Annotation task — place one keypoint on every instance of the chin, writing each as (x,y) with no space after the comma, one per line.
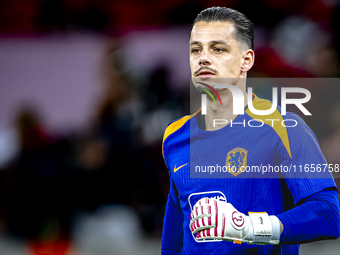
(227,80)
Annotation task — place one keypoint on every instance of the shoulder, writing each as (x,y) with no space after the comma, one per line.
(288,128)
(299,132)
(175,126)
(296,120)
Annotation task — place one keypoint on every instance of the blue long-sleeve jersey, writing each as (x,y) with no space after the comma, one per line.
(274,168)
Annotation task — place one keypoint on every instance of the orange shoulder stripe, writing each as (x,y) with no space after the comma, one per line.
(173,127)
(262,104)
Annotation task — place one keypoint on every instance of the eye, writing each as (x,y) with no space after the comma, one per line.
(216,49)
(195,50)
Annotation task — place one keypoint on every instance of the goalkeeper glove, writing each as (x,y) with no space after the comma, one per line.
(215,219)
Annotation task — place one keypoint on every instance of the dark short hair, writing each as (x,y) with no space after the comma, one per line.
(244,27)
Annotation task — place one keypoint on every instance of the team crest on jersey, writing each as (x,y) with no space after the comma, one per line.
(236,161)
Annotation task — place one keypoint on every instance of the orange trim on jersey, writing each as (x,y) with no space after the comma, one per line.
(173,127)
(262,104)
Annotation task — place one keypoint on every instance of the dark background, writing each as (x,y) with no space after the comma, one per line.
(87,89)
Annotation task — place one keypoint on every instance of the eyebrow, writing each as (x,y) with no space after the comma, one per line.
(211,43)
(195,42)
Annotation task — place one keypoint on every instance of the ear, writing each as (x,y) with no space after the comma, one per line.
(248,58)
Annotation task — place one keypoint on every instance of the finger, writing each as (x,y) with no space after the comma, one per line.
(197,225)
(200,212)
(202,202)
(206,234)
(210,230)
(195,210)
(202,223)
(202,208)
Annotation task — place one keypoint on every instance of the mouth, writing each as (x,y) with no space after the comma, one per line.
(205,74)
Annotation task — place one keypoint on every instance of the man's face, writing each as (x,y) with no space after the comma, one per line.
(214,53)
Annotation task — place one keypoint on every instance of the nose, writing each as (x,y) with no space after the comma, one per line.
(205,59)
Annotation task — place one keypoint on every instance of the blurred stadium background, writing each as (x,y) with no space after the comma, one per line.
(87,88)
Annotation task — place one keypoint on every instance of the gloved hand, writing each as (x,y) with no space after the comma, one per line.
(215,219)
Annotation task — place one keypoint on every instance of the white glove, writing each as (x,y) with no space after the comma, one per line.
(215,219)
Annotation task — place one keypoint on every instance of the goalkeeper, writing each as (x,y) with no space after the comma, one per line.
(241,214)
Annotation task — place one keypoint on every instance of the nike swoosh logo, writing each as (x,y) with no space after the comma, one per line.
(176,169)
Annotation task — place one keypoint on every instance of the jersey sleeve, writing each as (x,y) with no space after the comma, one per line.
(172,235)
(317,218)
(309,172)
